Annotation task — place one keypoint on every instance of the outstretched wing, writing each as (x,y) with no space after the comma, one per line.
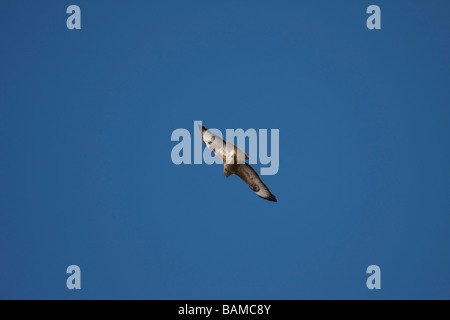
(251,178)
(228,152)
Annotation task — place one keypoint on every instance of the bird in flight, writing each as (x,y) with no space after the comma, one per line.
(234,163)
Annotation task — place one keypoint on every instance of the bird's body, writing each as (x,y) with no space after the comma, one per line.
(234,163)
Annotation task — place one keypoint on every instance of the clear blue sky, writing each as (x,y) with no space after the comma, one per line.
(86,176)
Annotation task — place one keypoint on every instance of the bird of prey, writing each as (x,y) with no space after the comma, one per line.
(234,163)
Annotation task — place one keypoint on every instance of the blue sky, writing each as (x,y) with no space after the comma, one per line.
(86,176)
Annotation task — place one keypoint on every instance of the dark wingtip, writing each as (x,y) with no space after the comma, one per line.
(272,198)
(201,128)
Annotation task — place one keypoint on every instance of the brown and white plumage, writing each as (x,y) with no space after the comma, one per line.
(228,152)
(234,163)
